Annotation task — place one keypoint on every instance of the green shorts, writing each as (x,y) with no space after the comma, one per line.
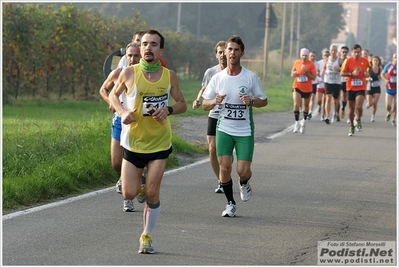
(226,143)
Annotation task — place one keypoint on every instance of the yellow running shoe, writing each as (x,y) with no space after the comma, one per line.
(145,244)
(141,196)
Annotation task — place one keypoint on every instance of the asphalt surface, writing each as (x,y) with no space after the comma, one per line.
(317,186)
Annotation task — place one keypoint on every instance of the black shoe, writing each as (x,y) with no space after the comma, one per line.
(327,121)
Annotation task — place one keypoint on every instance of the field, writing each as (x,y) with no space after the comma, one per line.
(54,149)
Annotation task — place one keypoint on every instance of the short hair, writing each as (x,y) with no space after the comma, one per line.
(356,46)
(155,32)
(236,39)
(345,47)
(220,44)
(134,44)
(313,52)
(140,32)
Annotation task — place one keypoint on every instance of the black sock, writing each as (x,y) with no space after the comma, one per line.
(305,115)
(296,113)
(228,191)
(343,105)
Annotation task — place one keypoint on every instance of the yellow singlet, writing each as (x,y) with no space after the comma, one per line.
(147,135)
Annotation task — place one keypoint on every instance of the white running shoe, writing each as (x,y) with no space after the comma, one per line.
(372,118)
(219,190)
(128,205)
(334,118)
(245,191)
(118,186)
(303,127)
(230,210)
(296,127)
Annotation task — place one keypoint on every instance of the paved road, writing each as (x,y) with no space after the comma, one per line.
(322,185)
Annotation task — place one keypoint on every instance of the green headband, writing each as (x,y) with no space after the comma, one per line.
(150,68)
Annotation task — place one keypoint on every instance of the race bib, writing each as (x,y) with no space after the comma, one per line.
(235,111)
(375,83)
(302,78)
(392,79)
(154,101)
(357,82)
(333,76)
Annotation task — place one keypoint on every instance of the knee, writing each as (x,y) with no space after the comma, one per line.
(212,151)
(244,171)
(151,195)
(225,169)
(128,194)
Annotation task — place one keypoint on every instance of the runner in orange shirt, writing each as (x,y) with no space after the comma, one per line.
(303,71)
(356,69)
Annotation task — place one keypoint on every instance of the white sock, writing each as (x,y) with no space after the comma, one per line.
(150,217)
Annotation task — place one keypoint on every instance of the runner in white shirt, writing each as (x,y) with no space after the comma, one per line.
(332,81)
(131,57)
(214,113)
(320,89)
(236,90)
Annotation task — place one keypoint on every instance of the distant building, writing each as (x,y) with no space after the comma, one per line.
(358,17)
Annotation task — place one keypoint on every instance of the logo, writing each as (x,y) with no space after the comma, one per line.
(155,98)
(344,253)
(243,90)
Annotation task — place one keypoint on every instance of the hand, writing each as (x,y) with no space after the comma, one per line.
(127,117)
(219,99)
(160,114)
(245,99)
(196,104)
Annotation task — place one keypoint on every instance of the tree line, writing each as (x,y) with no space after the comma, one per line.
(60,50)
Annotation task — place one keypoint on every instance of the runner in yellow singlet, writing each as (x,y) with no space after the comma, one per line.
(146,138)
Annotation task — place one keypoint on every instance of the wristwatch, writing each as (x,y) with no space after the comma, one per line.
(251,103)
(170,109)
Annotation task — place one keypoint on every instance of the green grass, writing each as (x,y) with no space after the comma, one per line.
(54,149)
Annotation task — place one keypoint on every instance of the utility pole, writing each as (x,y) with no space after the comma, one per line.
(199,20)
(292,29)
(282,41)
(178,17)
(266,45)
(298,27)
